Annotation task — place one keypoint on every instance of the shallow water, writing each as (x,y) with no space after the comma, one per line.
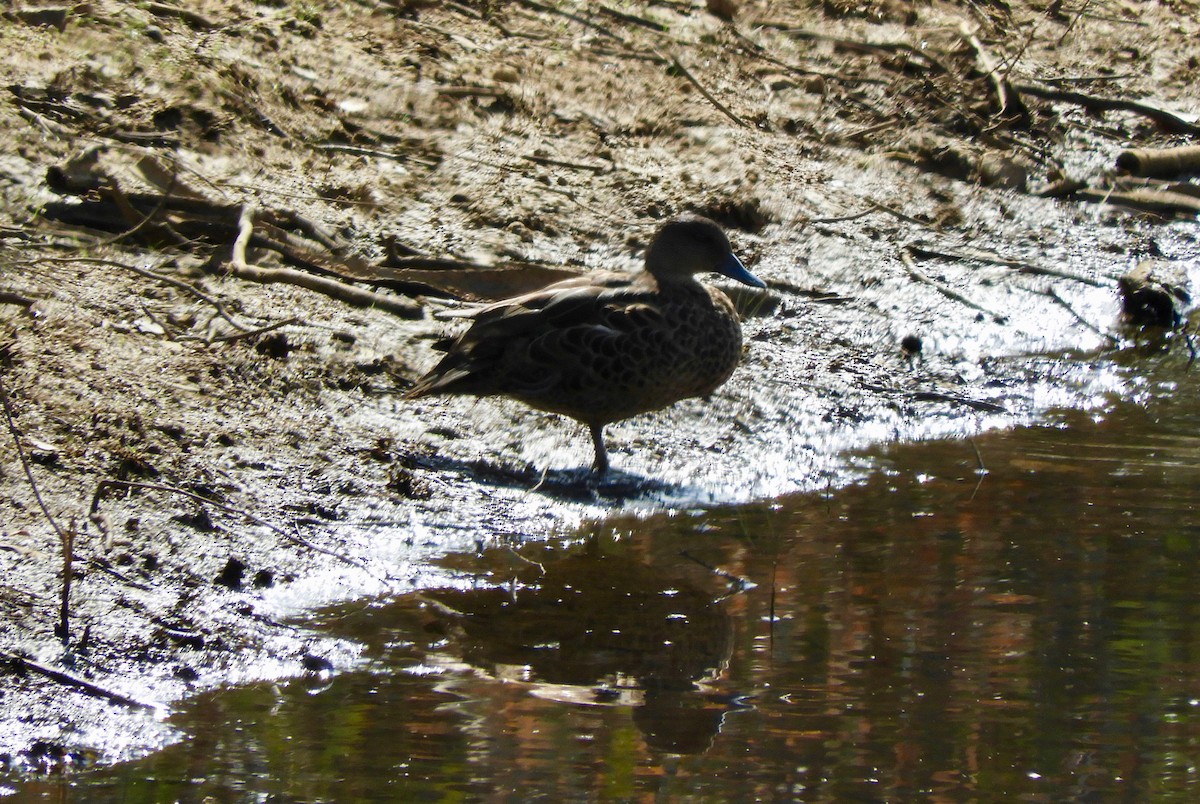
(1029,629)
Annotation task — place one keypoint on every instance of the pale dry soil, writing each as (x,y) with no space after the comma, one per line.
(267,464)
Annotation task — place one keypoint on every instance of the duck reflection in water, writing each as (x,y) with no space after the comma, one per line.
(607,346)
(604,630)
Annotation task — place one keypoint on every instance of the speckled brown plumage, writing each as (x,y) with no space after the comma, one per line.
(609,346)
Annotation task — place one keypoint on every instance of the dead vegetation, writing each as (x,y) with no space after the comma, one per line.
(372,160)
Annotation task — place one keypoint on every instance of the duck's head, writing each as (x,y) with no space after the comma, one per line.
(691,244)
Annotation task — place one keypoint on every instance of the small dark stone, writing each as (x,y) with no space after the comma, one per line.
(263,579)
(199,519)
(722,9)
(185,673)
(316,664)
(231,575)
(44,457)
(274,345)
(911,345)
(185,639)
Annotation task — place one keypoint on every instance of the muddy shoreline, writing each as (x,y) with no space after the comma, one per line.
(264,464)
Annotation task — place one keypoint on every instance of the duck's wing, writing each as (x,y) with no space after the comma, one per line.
(524,345)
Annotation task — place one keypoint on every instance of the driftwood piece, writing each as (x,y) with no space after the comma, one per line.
(1163,163)
(1167,120)
(1156,201)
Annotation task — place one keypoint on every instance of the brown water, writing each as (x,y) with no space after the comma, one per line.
(1031,632)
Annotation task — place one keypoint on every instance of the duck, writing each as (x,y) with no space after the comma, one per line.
(607,346)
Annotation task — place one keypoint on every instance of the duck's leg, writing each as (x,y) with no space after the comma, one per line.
(601,463)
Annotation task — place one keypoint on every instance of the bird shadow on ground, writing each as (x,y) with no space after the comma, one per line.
(573,485)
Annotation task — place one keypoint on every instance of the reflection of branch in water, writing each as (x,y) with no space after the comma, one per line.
(738,583)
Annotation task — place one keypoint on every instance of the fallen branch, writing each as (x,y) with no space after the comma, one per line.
(1160,162)
(1052,294)
(915,56)
(1009,102)
(190,17)
(1167,120)
(72,680)
(920,250)
(947,291)
(358,297)
(1156,201)
(722,108)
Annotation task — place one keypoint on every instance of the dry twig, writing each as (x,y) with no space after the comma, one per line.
(166,280)
(722,108)
(947,291)
(1052,294)
(66,538)
(239,266)
(103,485)
(1009,103)
(72,680)
(920,250)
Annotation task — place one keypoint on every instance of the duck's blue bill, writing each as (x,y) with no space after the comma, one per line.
(732,267)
